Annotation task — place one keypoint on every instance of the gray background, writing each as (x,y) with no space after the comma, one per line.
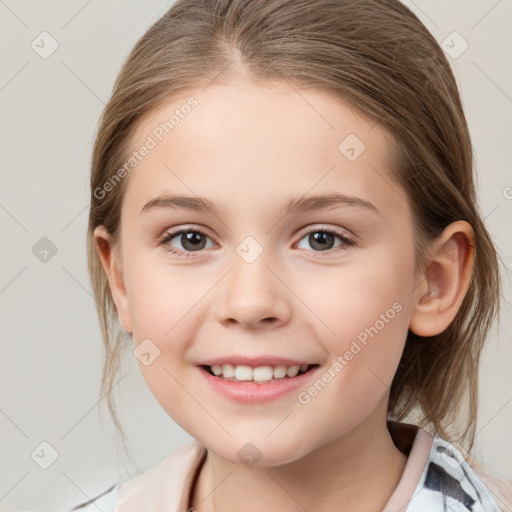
(51,345)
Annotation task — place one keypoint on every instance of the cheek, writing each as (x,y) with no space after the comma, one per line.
(366,317)
(349,300)
(162,297)
(357,311)
(369,319)
(164,302)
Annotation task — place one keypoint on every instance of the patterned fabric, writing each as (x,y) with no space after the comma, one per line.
(436,478)
(449,484)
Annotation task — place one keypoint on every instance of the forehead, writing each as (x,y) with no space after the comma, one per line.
(259,145)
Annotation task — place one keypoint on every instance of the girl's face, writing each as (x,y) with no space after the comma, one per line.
(255,269)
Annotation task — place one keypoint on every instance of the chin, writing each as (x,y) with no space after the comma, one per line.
(259,452)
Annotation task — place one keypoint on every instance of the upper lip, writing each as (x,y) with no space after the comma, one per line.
(254,361)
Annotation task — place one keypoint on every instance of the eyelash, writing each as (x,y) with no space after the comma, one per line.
(347,241)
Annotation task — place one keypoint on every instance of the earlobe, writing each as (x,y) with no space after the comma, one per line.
(448,274)
(112,265)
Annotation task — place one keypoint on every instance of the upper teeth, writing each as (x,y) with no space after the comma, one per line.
(259,373)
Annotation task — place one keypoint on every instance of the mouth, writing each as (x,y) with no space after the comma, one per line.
(259,375)
(246,384)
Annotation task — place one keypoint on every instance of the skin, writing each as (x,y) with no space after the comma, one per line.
(248,148)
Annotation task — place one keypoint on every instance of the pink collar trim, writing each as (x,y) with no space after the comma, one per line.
(414,467)
(167,486)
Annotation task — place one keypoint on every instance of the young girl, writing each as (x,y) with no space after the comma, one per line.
(283,219)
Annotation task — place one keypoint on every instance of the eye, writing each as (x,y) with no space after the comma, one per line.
(183,242)
(323,240)
(190,240)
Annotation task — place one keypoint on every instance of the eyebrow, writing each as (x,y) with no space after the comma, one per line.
(296,204)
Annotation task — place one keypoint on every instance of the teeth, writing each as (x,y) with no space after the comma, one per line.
(228,370)
(258,374)
(280,371)
(216,369)
(262,373)
(243,373)
(292,370)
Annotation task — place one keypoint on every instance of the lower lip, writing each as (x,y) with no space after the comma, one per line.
(250,392)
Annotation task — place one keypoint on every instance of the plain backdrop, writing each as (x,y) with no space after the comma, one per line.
(51,352)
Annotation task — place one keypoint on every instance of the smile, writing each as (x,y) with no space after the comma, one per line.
(257,383)
(258,374)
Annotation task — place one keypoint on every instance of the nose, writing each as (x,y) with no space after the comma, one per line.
(254,296)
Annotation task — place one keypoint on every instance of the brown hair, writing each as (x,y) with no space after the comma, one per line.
(379,57)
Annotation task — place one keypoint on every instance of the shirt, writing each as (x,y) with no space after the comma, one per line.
(436,478)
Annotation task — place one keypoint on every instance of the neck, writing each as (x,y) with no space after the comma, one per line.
(336,476)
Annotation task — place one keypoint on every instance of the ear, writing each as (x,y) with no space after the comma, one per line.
(112,265)
(448,274)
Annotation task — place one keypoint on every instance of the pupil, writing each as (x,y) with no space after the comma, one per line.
(192,238)
(321,240)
